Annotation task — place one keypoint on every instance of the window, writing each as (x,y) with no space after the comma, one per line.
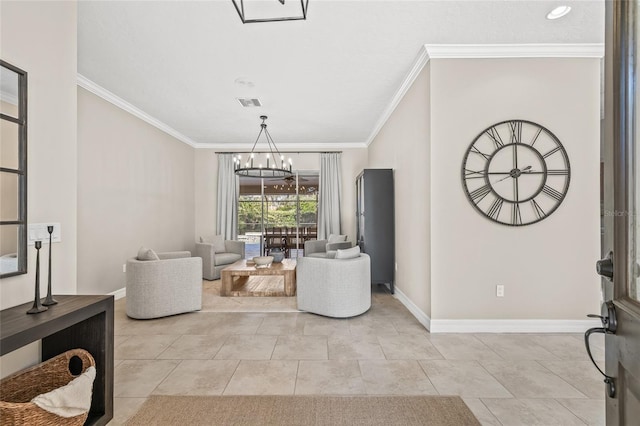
(276,212)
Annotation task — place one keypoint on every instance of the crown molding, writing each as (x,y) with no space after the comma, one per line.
(288,147)
(100,91)
(427,52)
(418,65)
(103,93)
(477,51)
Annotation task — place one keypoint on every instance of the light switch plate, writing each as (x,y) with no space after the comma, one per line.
(38,232)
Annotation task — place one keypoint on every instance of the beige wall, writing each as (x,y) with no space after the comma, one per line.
(546,268)
(135,188)
(403,144)
(51,134)
(206,191)
(206,184)
(40,38)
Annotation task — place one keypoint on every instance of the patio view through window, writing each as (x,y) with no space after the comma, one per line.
(272,214)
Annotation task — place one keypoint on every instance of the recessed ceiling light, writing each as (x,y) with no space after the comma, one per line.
(559,12)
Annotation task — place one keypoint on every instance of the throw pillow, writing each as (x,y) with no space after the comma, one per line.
(217,241)
(336,238)
(351,253)
(147,254)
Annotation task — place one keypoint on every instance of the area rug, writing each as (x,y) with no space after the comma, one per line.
(304,410)
(213,302)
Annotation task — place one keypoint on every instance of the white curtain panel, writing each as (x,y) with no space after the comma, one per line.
(329,196)
(228,192)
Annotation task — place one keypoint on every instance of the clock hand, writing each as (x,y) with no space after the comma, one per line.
(525,170)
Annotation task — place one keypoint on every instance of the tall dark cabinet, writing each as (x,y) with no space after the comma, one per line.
(376,223)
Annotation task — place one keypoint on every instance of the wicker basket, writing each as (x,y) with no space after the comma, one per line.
(16,391)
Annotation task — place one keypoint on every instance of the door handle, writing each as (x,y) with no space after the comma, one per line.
(604,267)
(609,326)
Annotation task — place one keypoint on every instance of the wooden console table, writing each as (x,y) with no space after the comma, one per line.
(75,322)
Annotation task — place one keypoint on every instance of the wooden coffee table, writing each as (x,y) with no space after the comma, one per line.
(244,279)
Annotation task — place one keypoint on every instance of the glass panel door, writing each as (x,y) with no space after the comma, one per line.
(278,213)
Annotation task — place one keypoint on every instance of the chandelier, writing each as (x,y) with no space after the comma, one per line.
(274,165)
(252,11)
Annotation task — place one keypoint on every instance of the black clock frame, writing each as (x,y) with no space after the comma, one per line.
(557,195)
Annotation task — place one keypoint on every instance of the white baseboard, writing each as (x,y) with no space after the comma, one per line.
(417,312)
(119,294)
(495,325)
(512,326)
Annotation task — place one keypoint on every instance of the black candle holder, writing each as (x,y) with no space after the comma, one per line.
(37,307)
(49,300)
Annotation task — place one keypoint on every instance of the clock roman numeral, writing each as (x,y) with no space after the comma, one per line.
(552,193)
(553,151)
(494,210)
(537,209)
(516,216)
(535,138)
(516,131)
(477,151)
(472,174)
(478,194)
(561,172)
(495,137)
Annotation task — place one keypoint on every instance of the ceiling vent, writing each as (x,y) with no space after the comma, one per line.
(249,102)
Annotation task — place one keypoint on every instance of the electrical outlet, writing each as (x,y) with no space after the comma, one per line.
(124,267)
(39,232)
(499,291)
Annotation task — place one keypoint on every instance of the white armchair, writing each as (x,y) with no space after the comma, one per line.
(159,288)
(323,248)
(213,262)
(338,288)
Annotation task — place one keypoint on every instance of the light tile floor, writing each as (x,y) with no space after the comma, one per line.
(506,379)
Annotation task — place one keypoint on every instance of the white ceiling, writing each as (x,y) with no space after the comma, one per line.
(326,80)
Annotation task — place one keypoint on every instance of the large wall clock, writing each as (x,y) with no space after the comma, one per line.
(516,173)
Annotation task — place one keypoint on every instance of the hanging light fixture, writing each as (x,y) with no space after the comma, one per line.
(274,164)
(252,11)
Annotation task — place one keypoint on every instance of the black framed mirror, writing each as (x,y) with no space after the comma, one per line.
(13,170)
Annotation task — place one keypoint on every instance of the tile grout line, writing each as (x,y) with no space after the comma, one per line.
(573,387)
(295,382)
(429,378)
(227,336)
(165,377)
(235,370)
(489,410)
(496,379)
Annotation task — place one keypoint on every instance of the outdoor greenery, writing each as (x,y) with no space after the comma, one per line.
(280,210)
